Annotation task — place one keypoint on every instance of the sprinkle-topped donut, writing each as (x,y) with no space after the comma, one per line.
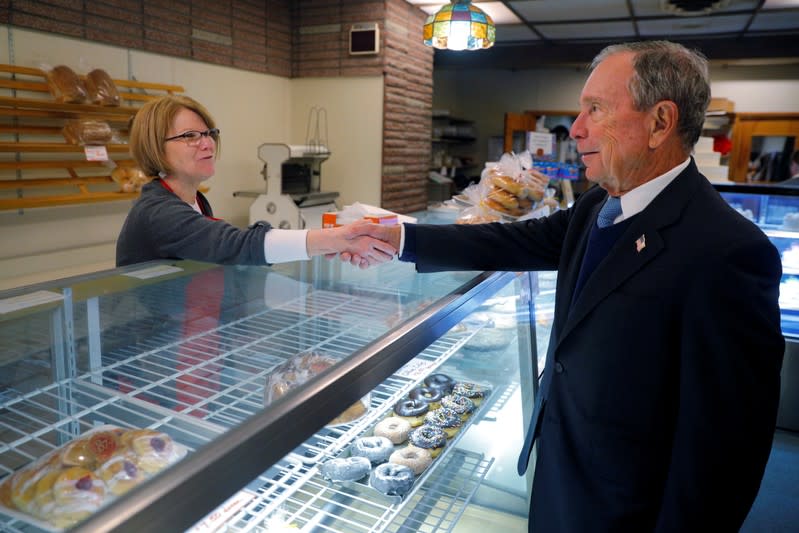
(460,404)
(431,395)
(430,438)
(440,381)
(376,449)
(412,410)
(473,391)
(447,419)
(392,479)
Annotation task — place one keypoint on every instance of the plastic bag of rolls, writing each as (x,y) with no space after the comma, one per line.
(101,88)
(65,85)
(87,132)
(510,189)
(300,368)
(70,483)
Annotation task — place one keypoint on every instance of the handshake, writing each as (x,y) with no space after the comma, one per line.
(361,243)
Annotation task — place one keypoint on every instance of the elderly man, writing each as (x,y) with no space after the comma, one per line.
(658,402)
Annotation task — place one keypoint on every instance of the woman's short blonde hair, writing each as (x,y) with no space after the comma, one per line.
(150,126)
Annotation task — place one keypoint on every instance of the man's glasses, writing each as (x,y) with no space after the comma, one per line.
(192,138)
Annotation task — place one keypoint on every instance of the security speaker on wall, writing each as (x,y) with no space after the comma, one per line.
(364,39)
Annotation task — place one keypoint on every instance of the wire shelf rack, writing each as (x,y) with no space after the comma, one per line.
(196,386)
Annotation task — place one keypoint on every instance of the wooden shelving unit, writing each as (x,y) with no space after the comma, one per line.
(38,167)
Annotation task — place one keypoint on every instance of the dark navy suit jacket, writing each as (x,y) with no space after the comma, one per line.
(659,397)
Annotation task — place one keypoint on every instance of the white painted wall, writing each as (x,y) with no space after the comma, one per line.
(250,109)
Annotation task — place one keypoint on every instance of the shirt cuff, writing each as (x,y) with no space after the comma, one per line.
(407,251)
(283,245)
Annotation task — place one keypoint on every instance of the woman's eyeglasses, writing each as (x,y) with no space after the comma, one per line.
(192,138)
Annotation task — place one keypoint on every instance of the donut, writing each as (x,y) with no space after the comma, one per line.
(427,394)
(376,449)
(411,410)
(430,438)
(121,472)
(392,479)
(346,468)
(473,391)
(155,450)
(440,381)
(394,428)
(446,419)
(417,459)
(460,404)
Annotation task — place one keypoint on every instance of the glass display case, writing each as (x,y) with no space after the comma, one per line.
(775,209)
(192,352)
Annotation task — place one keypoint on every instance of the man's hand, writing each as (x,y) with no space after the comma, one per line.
(361,243)
(389,234)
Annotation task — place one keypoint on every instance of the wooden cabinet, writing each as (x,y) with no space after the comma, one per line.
(38,167)
(521,123)
(748,127)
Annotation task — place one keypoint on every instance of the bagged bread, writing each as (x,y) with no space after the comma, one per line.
(87,132)
(65,85)
(101,89)
(300,368)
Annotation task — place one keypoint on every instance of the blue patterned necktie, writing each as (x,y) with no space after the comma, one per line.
(609,212)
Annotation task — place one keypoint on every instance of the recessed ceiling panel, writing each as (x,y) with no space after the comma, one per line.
(775,21)
(588,30)
(680,26)
(654,8)
(565,10)
(515,32)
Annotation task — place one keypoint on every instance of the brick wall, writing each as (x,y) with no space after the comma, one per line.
(292,38)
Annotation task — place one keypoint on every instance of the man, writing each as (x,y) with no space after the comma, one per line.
(659,397)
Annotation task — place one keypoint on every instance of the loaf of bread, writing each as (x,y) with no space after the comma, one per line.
(101,89)
(65,85)
(87,132)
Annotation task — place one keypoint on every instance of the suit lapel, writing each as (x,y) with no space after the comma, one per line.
(639,245)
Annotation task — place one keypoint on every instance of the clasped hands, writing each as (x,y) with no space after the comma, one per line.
(360,243)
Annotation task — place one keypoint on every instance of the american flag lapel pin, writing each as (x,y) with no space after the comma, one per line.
(640,243)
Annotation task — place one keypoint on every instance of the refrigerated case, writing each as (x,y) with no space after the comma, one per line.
(775,209)
(186,348)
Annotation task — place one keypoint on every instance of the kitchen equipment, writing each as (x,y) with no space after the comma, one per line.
(293,198)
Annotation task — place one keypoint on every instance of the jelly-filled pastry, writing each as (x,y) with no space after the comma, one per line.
(121,472)
(155,450)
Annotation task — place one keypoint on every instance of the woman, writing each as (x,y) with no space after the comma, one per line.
(176,139)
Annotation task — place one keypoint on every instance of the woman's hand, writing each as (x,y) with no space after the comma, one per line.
(361,243)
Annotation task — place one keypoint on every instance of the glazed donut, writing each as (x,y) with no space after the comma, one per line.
(460,404)
(376,449)
(448,420)
(411,410)
(440,381)
(394,428)
(417,459)
(155,450)
(121,473)
(346,468)
(473,391)
(430,438)
(427,394)
(392,479)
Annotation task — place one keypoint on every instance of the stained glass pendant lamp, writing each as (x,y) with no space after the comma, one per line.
(459,26)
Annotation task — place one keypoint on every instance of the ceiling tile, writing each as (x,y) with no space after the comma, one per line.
(515,32)
(587,30)
(692,25)
(652,8)
(775,21)
(563,10)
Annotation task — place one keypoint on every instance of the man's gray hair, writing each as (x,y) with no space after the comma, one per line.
(668,71)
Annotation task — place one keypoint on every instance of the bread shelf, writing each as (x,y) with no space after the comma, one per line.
(31,125)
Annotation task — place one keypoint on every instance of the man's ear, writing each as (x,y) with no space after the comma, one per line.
(664,116)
